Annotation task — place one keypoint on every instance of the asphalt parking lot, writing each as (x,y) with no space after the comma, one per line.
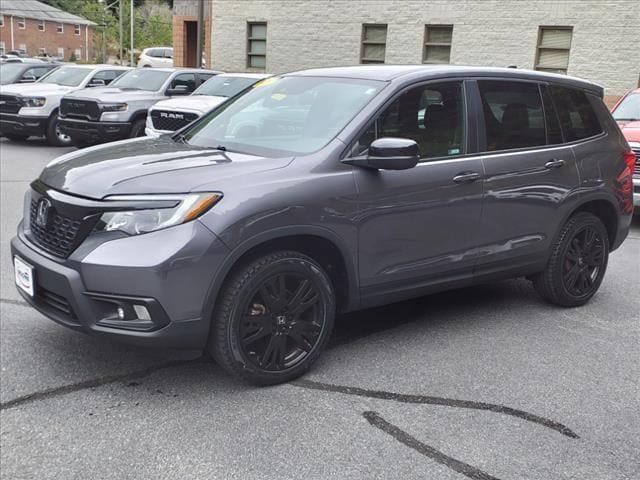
(481,383)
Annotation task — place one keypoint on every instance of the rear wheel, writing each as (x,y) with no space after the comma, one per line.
(273,319)
(137,129)
(577,264)
(55,136)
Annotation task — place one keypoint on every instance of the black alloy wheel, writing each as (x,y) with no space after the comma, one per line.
(273,318)
(577,262)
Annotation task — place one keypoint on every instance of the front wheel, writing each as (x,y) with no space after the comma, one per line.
(55,136)
(273,318)
(577,263)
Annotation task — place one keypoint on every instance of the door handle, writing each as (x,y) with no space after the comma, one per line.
(466,177)
(555,163)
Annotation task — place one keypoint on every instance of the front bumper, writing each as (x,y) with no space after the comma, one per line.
(88,132)
(172,280)
(16,124)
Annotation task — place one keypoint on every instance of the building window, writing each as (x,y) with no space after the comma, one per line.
(437,44)
(22,23)
(60,28)
(554,44)
(78,54)
(42,51)
(41,25)
(1,20)
(2,52)
(257,45)
(374,43)
(22,48)
(61,53)
(76,29)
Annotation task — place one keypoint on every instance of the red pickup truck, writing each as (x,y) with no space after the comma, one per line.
(627,113)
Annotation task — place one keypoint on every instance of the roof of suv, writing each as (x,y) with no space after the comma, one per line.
(388,73)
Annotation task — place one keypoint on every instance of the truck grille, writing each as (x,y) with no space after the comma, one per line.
(84,109)
(636,171)
(9,104)
(171,121)
(59,237)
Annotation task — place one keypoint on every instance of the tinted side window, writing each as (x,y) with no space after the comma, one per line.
(35,72)
(205,76)
(155,52)
(188,79)
(108,75)
(513,114)
(577,118)
(432,115)
(168,53)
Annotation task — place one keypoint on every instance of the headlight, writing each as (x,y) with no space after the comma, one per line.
(146,218)
(34,101)
(113,107)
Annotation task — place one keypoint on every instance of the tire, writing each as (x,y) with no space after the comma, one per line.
(16,138)
(264,334)
(54,136)
(577,263)
(137,129)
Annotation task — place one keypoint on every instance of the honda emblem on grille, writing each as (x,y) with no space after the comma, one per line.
(42,212)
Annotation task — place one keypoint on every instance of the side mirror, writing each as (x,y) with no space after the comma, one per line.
(389,154)
(179,90)
(27,79)
(97,82)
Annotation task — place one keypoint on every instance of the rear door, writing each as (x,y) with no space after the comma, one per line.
(529,174)
(420,226)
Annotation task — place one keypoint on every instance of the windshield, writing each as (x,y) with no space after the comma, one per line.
(224,86)
(10,72)
(142,79)
(284,115)
(67,76)
(629,108)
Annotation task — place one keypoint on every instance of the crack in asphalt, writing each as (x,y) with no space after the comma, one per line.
(403,437)
(96,382)
(447,402)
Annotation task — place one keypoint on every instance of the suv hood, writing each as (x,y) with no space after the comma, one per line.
(113,94)
(146,166)
(630,129)
(30,89)
(196,103)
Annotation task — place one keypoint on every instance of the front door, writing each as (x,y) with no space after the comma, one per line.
(418,227)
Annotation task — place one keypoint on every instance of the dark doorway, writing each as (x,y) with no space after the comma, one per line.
(190,44)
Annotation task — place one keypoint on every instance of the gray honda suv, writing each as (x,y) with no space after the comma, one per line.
(326,191)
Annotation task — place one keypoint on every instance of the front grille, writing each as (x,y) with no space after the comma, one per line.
(59,236)
(171,121)
(9,104)
(636,171)
(56,302)
(84,109)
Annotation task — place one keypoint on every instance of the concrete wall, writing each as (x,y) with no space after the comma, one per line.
(311,33)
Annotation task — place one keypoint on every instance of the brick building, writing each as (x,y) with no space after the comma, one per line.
(594,39)
(185,17)
(35,28)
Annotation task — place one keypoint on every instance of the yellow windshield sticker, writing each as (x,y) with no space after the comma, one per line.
(278,96)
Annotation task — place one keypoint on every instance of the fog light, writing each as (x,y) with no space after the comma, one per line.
(120,312)
(141,312)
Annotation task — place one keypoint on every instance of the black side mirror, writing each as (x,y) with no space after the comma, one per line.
(27,79)
(179,90)
(97,82)
(389,154)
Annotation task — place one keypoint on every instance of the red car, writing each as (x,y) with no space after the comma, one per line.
(627,114)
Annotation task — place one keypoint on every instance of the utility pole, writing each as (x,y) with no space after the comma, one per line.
(131,33)
(121,37)
(199,30)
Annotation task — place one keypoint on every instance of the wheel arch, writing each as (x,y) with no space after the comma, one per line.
(605,210)
(319,243)
(138,114)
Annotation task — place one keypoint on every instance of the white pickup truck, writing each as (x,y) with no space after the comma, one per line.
(167,116)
